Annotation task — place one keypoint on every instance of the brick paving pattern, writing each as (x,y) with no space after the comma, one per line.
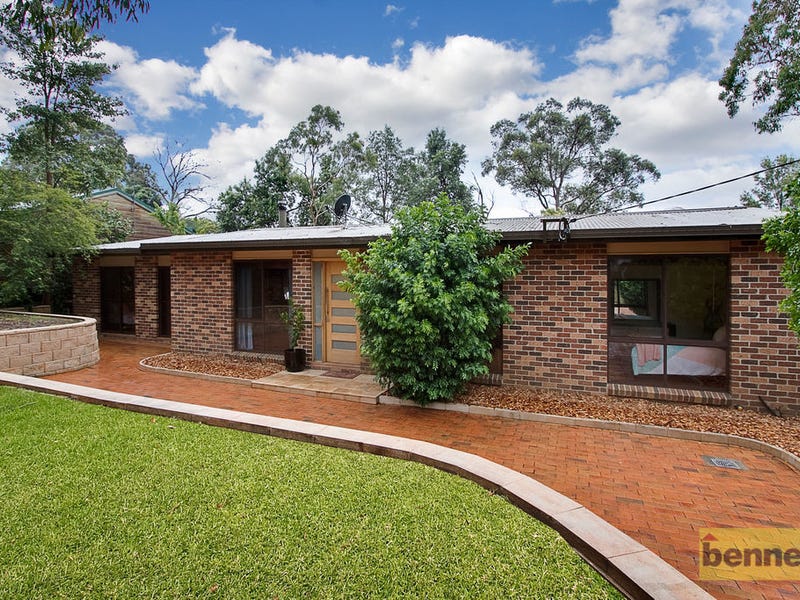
(657,490)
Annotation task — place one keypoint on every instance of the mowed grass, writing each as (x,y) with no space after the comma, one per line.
(103,503)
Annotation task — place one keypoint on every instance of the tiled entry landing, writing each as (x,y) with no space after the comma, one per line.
(314,382)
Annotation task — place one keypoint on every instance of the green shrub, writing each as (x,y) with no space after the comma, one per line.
(429,299)
(782,235)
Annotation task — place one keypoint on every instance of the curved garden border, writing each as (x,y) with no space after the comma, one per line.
(51,349)
(629,566)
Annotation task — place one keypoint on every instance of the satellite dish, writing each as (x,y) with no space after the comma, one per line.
(341,206)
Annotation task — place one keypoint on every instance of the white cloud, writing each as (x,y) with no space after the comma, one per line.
(398,43)
(391,9)
(647,29)
(432,87)
(153,86)
(143,146)
(467,84)
(639,29)
(457,86)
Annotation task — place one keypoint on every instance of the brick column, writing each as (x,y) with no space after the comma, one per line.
(302,293)
(86,289)
(146,277)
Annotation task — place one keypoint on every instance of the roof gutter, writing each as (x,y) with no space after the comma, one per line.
(692,231)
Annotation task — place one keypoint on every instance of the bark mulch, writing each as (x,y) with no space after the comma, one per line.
(216,364)
(24,322)
(779,431)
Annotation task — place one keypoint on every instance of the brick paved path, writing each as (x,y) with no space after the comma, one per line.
(657,490)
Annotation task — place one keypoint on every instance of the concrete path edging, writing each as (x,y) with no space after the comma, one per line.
(632,568)
(711,437)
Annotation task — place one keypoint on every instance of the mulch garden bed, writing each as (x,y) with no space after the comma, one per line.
(8,322)
(216,364)
(779,431)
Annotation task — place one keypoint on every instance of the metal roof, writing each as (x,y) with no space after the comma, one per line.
(709,222)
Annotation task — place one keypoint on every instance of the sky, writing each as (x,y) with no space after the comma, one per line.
(229,79)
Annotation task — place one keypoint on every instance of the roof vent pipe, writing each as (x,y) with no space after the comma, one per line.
(282,216)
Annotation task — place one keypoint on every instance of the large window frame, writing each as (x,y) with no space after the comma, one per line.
(261,291)
(648,344)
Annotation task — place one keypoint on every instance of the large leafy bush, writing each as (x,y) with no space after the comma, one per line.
(429,299)
(782,235)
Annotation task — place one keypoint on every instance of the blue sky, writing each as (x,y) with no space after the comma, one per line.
(228,79)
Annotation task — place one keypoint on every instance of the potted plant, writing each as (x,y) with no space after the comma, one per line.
(294,357)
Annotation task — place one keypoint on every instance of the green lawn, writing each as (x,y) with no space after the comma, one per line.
(103,503)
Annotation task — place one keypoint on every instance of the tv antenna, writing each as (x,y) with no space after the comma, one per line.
(341,207)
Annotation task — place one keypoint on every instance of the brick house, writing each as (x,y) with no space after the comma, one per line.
(675,305)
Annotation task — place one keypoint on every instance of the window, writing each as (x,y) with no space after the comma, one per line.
(668,321)
(117,309)
(636,299)
(261,295)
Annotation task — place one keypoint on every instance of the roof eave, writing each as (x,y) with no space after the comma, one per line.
(341,242)
(719,231)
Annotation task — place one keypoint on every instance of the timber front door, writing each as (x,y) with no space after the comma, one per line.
(341,330)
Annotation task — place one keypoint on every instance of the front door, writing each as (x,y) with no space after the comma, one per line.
(341,329)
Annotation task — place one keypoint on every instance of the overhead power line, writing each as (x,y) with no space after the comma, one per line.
(709,186)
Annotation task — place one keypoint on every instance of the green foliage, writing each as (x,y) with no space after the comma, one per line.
(86,160)
(324,167)
(437,170)
(429,299)
(60,106)
(766,64)
(41,230)
(770,188)
(295,320)
(82,16)
(306,171)
(249,205)
(387,176)
(110,224)
(104,503)
(560,158)
(140,182)
(202,225)
(782,235)
(169,215)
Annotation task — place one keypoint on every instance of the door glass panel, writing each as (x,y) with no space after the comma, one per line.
(338,328)
(343,345)
(343,312)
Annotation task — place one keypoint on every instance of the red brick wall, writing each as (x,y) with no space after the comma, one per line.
(302,294)
(557,337)
(86,290)
(765,354)
(202,301)
(146,278)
